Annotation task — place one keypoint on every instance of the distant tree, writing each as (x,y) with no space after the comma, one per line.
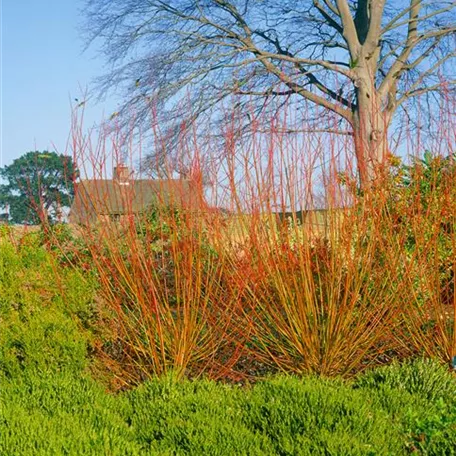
(38,186)
(360,61)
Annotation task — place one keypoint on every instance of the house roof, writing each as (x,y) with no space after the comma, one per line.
(109,197)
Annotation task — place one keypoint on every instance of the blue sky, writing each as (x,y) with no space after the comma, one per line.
(43,69)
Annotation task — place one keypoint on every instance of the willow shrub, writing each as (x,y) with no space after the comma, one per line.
(164,296)
(420,212)
(195,293)
(320,304)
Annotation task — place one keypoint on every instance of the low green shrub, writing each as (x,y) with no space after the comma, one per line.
(390,411)
(312,416)
(62,414)
(193,418)
(42,311)
(420,398)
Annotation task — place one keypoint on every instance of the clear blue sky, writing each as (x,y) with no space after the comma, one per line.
(43,68)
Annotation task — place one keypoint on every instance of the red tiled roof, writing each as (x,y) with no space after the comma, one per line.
(108,197)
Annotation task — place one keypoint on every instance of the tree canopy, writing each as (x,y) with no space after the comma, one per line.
(360,60)
(39,185)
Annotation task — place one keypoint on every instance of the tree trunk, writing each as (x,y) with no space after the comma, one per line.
(370,128)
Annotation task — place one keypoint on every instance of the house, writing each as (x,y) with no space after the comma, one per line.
(122,196)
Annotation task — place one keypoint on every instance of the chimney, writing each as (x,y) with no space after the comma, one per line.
(122,174)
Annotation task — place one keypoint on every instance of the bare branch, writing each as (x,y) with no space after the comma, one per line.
(333,131)
(441,86)
(374,31)
(327,17)
(393,24)
(413,90)
(349,28)
(400,62)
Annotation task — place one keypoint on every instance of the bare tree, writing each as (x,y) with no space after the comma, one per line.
(359,60)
